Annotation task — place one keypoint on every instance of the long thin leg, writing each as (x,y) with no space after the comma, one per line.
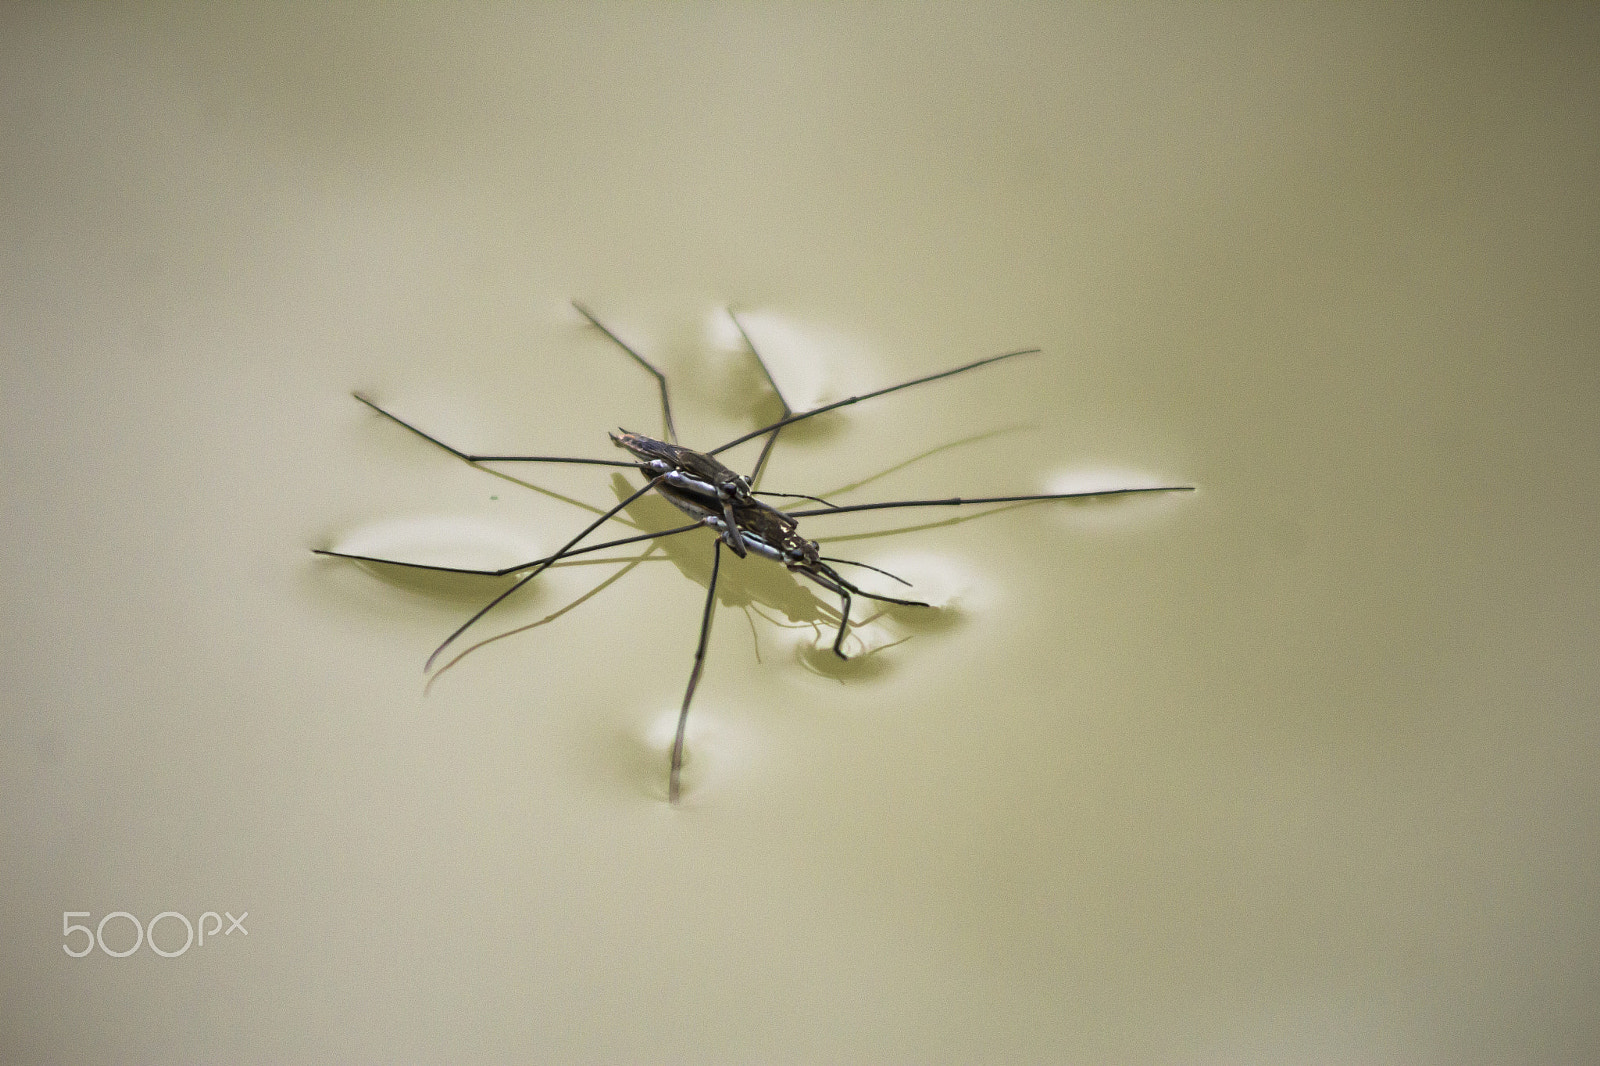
(520,566)
(791,419)
(694,675)
(571,605)
(958,501)
(766,449)
(661,379)
(458,453)
(541,568)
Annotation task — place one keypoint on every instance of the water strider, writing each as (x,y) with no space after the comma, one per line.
(725,501)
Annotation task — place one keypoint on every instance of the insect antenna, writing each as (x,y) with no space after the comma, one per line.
(866,566)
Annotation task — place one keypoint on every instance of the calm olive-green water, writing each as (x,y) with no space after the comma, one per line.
(1297,767)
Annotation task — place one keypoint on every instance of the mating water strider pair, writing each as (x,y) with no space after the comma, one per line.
(720,499)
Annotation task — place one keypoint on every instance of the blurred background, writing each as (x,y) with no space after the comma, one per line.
(1294,768)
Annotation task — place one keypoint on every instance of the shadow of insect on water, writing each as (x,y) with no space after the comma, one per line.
(757,589)
(681,481)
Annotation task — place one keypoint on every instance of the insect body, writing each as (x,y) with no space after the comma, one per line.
(722,500)
(688,481)
(692,480)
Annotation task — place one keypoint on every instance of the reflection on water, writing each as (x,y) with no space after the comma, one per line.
(720,750)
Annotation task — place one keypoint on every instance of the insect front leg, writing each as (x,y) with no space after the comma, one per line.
(735,536)
(834,582)
(837,587)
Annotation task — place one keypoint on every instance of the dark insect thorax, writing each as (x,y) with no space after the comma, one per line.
(706,490)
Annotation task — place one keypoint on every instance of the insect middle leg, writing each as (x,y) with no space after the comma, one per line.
(507,571)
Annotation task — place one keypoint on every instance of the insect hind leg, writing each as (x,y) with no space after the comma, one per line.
(772,438)
(661,379)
